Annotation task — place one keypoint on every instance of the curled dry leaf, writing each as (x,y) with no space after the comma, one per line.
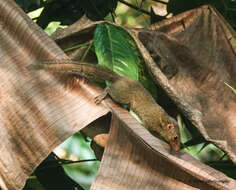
(167,61)
(37,113)
(191,56)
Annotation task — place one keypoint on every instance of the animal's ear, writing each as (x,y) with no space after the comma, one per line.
(169,126)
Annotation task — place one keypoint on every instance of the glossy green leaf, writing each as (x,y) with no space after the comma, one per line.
(113,51)
(82,173)
(116,50)
(143,75)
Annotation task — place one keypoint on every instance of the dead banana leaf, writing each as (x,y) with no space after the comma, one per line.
(134,159)
(36,112)
(191,56)
(78,33)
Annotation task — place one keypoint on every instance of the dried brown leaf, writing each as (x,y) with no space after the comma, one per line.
(118,154)
(191,56)
(38,113)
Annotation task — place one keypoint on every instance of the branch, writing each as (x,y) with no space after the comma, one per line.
(158,1)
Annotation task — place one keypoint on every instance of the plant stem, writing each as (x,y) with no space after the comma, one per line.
(86,52)
(76,47)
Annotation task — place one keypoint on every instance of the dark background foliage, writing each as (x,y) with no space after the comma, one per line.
(68,11)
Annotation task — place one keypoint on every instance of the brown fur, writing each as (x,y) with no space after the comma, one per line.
(125,91)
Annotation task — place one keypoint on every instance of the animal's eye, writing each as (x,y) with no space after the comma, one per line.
(175,137)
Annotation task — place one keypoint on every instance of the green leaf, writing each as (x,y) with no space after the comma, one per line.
(143,75)
(82,173)
(205,144)
(113,51)
(116,49)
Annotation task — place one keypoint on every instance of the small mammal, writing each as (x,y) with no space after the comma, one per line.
(125,91)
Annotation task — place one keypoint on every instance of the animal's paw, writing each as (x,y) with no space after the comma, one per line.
(98,99)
